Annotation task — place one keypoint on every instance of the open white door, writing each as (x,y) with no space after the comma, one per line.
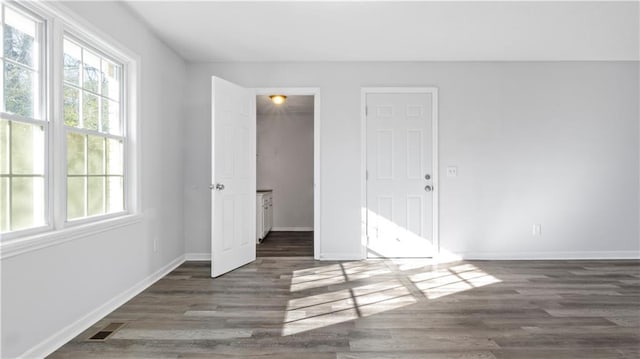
(233,176)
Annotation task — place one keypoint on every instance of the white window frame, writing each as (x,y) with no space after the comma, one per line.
(42,112)
(78,39)
(59,21)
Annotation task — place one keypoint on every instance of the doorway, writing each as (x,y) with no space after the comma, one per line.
(400,172)
(287,173)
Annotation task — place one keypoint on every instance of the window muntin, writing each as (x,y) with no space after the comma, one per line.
(23,127)
(93,109)
(64,134)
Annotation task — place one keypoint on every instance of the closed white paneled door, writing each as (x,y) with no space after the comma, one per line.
(400,178)
(233,176)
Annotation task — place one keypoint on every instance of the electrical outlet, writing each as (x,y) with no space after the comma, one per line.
(537,230)
(155,244)
(452,171)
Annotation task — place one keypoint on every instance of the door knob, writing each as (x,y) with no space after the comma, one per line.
(217,186)
(428,188)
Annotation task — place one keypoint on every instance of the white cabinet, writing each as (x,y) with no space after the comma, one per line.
(259,218)
(264,213)
(268,214)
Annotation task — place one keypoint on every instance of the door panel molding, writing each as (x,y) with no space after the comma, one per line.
(233,187)
(433,91)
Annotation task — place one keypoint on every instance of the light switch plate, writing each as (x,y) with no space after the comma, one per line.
(452,171)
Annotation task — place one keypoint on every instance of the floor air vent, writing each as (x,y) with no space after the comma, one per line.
(106,332)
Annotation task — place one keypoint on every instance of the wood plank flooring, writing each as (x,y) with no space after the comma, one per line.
(286,244)
(300,308)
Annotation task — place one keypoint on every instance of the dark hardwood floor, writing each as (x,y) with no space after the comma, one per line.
(301,308)
(286,244)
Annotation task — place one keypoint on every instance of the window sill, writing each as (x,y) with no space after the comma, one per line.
(19,246)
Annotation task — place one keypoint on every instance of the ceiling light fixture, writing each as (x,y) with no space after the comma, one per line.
(278,99)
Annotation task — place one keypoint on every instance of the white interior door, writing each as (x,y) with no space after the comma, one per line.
(233,176)
(399,175)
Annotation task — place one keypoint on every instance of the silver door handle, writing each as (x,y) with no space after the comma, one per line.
(217,186)
(428,188)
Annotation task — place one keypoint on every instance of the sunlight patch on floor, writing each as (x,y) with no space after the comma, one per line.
(443,282)
(334,274)
(339,306)
(345,303)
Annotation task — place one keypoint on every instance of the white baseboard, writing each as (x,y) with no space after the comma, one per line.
(292,229)
(340,256)
(197,256)
(60,338)
(595,255)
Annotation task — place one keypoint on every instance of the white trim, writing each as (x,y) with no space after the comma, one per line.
(293,258)
(341,257)
(41,111)
(317,128)
(94,219)
(292,229)
(197,256)
(58,163)
(433,91)
(129,111)
(60,338)
(578,255)
(18,118)
(59,19)
(363,174)
(53,238)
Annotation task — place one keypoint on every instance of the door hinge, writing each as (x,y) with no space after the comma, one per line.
(366,175)
(366,110)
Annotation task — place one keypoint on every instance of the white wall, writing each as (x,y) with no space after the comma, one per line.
(285,165)
(46,290)
(552,143)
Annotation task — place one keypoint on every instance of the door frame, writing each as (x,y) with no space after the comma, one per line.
(364,91)
(315,92)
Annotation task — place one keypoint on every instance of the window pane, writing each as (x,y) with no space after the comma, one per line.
(4,205)
(114,157)
(91,71)
(71,106)
(27,202)
(72,59)
(19,38)
(110,116)
(4,146)
(18,90)
(76,154)
(95,196)
(96,155)
(89,111)
(95,179)
(76,197)
(27,148)
(115,194)
(110,80)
